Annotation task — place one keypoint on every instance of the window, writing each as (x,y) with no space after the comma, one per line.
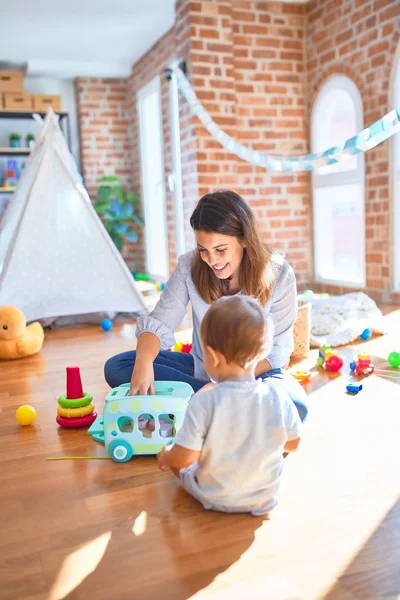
(396,179)
(338,190)
(152,168)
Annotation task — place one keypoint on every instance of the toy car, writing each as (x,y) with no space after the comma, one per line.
(363,365)
(141,424)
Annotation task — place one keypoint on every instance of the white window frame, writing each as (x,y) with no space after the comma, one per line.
(342,177)
(158,214)
(395,176)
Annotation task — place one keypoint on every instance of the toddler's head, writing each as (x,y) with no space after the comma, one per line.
(235,336)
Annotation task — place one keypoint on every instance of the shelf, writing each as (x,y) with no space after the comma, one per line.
(15,151)
(7,190)
(26,114)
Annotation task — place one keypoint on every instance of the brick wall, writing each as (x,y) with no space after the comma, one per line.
(359,39)
(105,122)
(247,67)
(257,67)
(105,129)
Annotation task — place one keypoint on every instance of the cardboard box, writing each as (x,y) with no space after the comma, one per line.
(17,101)
(11,81)
(41,102)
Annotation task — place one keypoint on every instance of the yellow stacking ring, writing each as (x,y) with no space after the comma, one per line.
(72,413)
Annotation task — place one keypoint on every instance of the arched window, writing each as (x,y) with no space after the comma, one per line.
(338,190)
(396,179)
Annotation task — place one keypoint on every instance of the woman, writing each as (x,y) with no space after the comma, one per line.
(230,258)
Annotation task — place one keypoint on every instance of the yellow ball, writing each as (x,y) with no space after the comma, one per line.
(25,414)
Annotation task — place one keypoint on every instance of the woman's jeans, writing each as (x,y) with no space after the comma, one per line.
(179,366)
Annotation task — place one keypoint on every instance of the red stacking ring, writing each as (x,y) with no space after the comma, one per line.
(76,422)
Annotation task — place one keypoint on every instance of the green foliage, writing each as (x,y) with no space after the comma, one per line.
(15,136)
(117,209)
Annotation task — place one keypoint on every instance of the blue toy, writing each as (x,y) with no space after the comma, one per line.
(366,334)
(106,324)
(141,424)
(354,388)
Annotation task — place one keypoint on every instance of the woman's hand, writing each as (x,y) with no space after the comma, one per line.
(142,382)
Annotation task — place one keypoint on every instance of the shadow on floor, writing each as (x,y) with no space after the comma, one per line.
(178,550)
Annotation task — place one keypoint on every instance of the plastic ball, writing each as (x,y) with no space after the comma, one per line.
(353,366)
(106,324)
(334,363)
(394,359)
(25,414)
(320,361)
(308,293)
(366,334)
(162,286)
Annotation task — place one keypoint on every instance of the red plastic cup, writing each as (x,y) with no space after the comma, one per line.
(74,383)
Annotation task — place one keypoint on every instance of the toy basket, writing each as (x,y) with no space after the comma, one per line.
(301,329)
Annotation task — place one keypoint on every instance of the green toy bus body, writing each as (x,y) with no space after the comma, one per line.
(119,427)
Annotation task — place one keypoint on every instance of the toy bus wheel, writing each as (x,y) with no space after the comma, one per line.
(120,451)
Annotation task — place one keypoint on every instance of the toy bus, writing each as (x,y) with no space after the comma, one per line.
(136,425)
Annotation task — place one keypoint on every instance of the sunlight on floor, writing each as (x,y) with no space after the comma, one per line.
(307,545)
(78,565)
(139,526)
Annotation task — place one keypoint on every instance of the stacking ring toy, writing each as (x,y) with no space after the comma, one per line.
(71,413)
(76,402)
(77,422)
(302,376)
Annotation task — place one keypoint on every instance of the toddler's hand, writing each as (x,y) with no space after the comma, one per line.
(162,458)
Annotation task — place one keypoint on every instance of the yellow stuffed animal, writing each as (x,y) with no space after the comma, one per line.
(16,339)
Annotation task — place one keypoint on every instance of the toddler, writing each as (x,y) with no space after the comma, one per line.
(228,452)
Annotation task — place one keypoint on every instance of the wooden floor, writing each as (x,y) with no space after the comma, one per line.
(96,529)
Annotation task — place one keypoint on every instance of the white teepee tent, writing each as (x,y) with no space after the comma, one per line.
(57,261)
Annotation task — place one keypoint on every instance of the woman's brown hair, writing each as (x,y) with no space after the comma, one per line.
(226,212)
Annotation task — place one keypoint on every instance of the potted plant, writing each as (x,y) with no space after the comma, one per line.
(117,209)
(30,140)
(15,140)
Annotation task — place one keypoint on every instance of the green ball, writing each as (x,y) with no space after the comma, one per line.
(320,361)
(308,293)
(394,359)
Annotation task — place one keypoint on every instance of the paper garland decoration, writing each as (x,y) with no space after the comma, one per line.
(368,138)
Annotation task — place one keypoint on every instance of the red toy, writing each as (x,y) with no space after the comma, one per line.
(181,347)
(363,365)
(74,383)
(329,359)
(75,403)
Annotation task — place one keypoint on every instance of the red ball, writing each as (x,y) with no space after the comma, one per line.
(334,363)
